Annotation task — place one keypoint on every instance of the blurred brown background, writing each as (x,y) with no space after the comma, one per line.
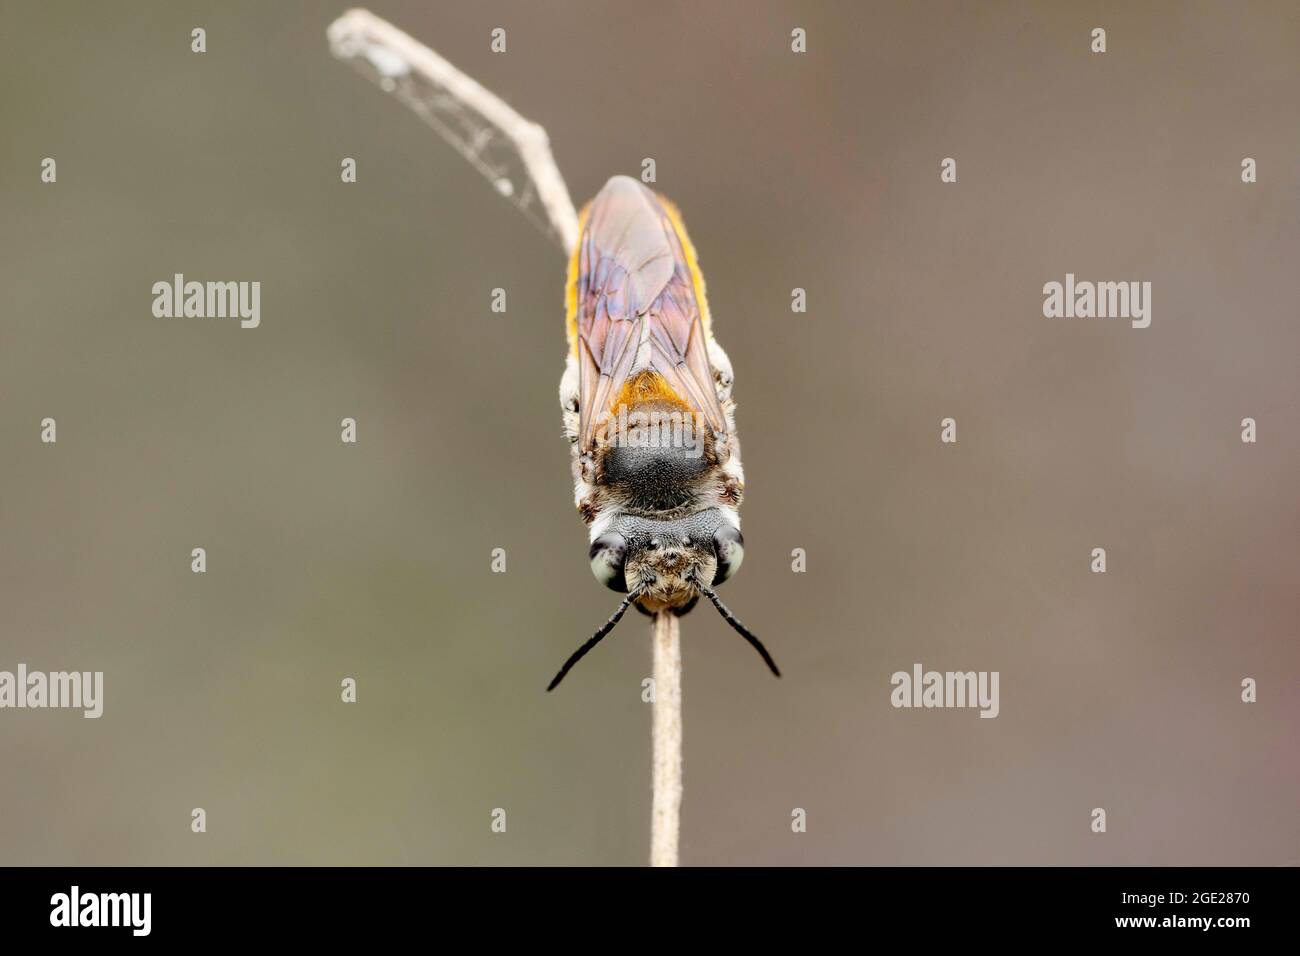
(820,171)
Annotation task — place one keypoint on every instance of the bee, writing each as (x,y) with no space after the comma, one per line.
(646,391)
(648,411)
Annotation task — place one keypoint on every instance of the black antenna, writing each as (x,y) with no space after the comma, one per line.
(608,626)
(740,628)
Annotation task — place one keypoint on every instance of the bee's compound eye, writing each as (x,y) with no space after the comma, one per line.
(608,558)
(729,546)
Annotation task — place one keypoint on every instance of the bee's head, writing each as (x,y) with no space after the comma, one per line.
(665,562)
(665,566)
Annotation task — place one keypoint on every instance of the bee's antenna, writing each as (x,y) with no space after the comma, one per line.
(744,632)
(595,639)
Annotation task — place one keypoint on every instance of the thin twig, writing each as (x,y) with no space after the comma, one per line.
(512,152)
(665,818)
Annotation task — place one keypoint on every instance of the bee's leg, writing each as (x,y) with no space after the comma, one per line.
(722,376)
(733,471)
(569,398)
(584,494)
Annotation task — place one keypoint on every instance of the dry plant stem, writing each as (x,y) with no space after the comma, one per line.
(665,818)
(394,59)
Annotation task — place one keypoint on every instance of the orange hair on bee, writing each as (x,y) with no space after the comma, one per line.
(645,387)
(692,262)
(571,285)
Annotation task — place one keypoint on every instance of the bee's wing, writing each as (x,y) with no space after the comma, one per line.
(636,307)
